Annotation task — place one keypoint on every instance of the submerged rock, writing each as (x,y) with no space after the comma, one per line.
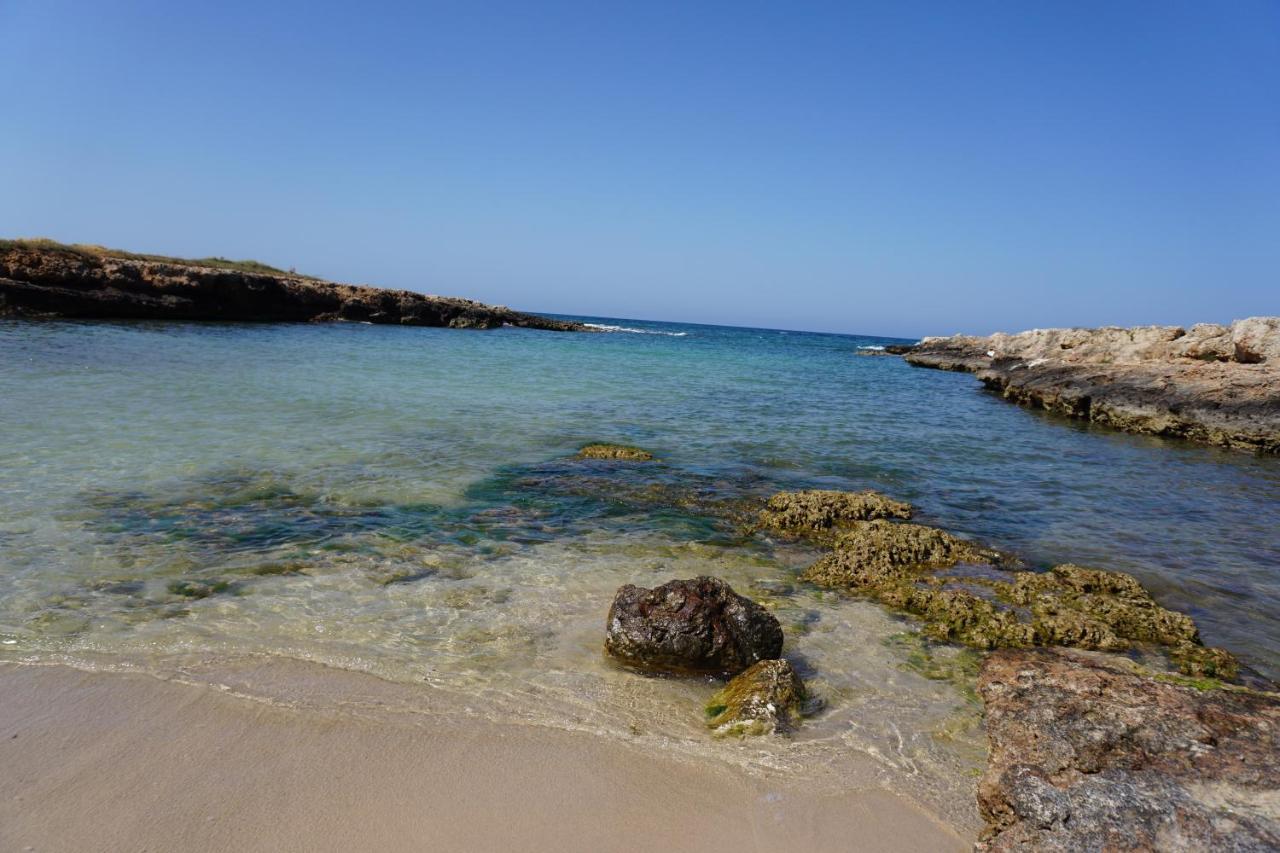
(690,626)
(768,697)
(615,451)
(818,511)
(1088,754)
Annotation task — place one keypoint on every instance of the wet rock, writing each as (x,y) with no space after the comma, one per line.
(1089,754)
(868,554)
(615,451)
(818,511)
(980,605)
(768,697)
(1213,384)
(690,626)
(45,279)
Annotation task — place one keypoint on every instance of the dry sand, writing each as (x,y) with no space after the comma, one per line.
(120,761)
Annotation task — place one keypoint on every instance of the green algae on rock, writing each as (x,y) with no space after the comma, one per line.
(615,451)
(978,605)
(818,511)
(768,697)
(873,553)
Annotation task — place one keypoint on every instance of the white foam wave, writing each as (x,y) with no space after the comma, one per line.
(871,347)
(603,328)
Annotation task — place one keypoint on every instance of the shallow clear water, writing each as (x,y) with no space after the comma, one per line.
(399,501)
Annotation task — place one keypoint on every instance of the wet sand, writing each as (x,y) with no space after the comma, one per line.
(126,761)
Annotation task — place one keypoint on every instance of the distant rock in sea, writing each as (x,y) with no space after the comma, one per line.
(1211,383)
(40,278)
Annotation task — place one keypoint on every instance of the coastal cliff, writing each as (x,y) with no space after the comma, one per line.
(1213,384)
(44,279)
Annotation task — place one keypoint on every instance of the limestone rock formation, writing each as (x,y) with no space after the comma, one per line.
(1213,384)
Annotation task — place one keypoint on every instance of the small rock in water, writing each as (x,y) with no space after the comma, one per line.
(817,511)
(690,626)
(615,451)
(767,698)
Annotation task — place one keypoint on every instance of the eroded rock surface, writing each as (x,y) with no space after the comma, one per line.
(690,626)
(965,593)
(768,697)
(816,511)
(1089,754)
(64,282)
(1211,383)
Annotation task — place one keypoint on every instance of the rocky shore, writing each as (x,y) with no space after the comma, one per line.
(1211,383)
(42,279)
(1110,724)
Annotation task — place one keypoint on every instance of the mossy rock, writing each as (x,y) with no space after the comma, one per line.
(765,698)
(616,452)
(896,565)
(818,511)
(871,554)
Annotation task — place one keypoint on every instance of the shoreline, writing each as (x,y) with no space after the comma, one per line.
(111,759)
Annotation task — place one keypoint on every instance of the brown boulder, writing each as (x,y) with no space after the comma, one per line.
(690,626)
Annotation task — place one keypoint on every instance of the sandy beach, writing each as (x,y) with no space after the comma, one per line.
(116,761)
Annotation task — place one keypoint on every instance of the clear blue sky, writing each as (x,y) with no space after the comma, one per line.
(894,168)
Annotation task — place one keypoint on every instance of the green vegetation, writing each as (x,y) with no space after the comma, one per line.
(92,251)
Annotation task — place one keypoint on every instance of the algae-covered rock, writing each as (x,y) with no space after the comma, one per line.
(615,451)
(816,511)
(870,554)
(1110,611)
(898,565)
(690,626)
(1205,661)
(769,697)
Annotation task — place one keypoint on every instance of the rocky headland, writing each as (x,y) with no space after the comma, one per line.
(40,278)
(1211,383)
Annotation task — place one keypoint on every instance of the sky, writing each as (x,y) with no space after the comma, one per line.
(897,168)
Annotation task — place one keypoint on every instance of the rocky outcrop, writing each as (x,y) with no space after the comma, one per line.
(690,626)
(814,512)
(1087,753)
(965,593)
(767,698)
(1211,383)
(60,281)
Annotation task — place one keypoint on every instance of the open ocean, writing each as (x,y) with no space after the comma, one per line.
(400,501)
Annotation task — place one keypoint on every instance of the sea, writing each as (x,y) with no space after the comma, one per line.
(403,502)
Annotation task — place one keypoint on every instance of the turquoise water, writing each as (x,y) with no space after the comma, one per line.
(398,501)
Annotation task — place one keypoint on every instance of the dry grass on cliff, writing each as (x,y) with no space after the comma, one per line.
(105,252)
